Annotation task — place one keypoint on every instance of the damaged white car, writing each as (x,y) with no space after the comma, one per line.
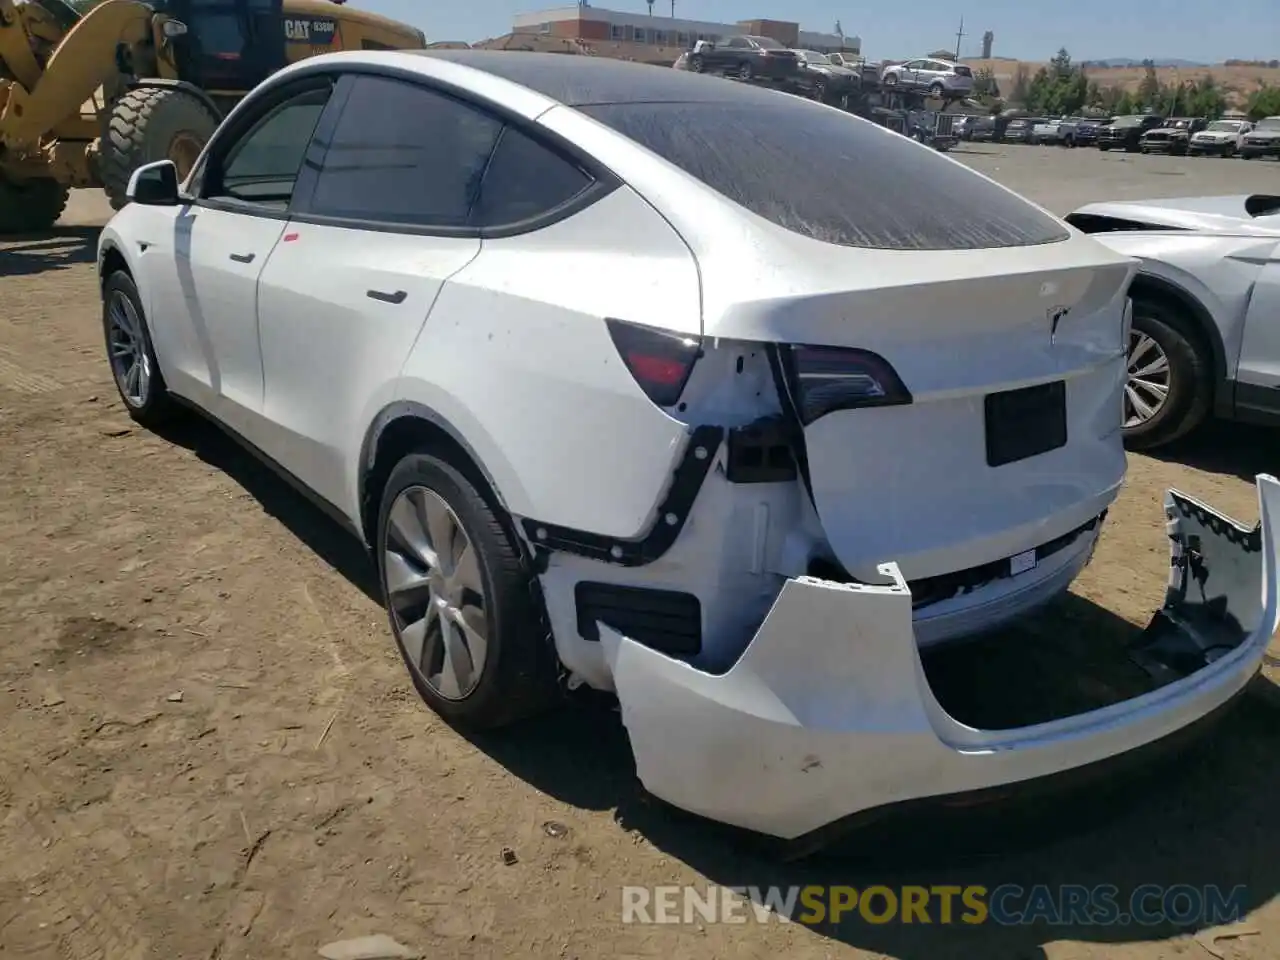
(1205,339)
(624,389)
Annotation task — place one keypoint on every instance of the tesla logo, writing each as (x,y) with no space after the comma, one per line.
(1056,316)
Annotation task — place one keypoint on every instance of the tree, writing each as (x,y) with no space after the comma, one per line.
(1264,103)
(1021,86)
(1149,89)
(1060,66)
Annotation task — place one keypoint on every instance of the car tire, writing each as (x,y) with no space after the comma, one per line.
(131,355)
(937,90)
(745,70)
(1102,148)
(1189,381)
(890,80)
(1228,151)
(696,64)
(516,676)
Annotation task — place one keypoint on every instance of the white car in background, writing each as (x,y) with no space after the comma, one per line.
(1221,138)
(617,398)
(1044,131)
(1206,337)
(941,78)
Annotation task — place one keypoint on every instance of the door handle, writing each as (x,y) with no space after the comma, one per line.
(243,257)
(398,297)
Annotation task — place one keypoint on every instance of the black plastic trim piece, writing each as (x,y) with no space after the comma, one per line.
(1257,404)
(671,516)
(761,452)
(669,621)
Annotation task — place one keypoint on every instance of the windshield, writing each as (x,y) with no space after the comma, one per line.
(1271,123)
(903,198)
(1127,122)
(812,56)
(766,44)
(1225,126)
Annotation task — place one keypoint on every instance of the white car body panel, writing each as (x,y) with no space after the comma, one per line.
(802,684)
(1227,260)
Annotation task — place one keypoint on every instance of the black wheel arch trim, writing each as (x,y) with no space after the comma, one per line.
(1204,322)
(187,88)
(686,481)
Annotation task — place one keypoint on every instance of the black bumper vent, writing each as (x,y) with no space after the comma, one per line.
(663,620)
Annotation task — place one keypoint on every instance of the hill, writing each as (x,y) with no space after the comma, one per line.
(1239,81)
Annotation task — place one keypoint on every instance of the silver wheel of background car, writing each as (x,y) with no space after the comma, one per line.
(127,350)
(1147,387)
(435,589)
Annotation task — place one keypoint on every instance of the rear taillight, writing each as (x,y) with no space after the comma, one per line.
(824,379)
(659,361)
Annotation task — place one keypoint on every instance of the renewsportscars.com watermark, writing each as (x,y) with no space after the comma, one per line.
(1007,905)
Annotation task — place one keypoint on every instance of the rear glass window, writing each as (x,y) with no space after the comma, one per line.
(873,188)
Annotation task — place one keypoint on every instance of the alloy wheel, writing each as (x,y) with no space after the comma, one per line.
(435,590)
(127,350)
(1147,386)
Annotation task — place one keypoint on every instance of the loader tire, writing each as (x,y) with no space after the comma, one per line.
(30,206)
(150,124)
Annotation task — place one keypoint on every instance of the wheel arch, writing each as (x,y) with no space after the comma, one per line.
(110,260)
(1177,297)
(407,426)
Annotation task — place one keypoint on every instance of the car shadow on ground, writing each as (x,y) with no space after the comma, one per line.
(320,532)
(1230,449)
(26,255)
(1203,816)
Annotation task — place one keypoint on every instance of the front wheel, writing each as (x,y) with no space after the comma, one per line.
(1167,391)
(696,64)
(1103,149)
(132,356)
(460,598)
(1229,151)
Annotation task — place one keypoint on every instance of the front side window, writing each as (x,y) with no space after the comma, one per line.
(903,198)
(403,154)
(262,166)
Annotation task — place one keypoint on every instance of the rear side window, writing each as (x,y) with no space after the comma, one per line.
(525,179)
(873,188)
(403,154)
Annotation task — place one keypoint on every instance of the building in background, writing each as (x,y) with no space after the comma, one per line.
(988,39)
(600,28)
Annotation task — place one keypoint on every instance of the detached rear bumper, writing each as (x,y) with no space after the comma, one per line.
(829,713)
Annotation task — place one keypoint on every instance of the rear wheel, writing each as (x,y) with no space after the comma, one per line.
(745,70)
(460,599)
(890,80)
(30,206)
(150,124)
(696,64)
(1169,382)
(936,90)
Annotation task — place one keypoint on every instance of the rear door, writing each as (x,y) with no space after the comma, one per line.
(381,225)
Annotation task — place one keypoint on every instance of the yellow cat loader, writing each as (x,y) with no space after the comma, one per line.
(85,99)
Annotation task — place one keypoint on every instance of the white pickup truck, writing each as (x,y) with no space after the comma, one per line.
(1044,131)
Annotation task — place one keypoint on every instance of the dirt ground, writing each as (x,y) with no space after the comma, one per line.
(211,749)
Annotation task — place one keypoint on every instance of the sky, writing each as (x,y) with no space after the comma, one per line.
(1207,31)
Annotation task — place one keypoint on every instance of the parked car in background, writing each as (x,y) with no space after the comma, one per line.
(979,128)
(747,58)
(1263,140)
(1044,131)
(744,497)
(1084,131)
(941,78)
(1125,133)
(1222,138)
(1204,341)
(1172,137)
(823,80)
(1019,129)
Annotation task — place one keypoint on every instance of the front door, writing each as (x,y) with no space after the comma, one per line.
(230,45)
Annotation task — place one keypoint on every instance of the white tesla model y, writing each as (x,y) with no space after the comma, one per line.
(723,400)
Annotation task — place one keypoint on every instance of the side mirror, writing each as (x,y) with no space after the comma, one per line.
(173,29)
(154,185)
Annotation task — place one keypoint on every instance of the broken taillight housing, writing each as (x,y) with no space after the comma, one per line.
(825,379)
(659,361)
